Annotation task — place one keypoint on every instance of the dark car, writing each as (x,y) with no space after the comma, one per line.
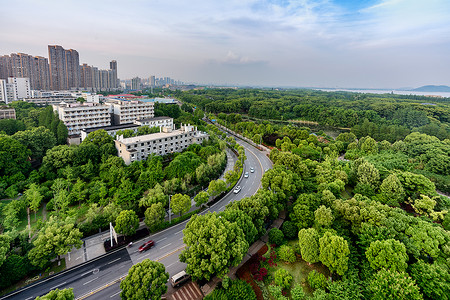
(146,246)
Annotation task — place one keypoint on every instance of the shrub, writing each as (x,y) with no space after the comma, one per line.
(316,280)
(289,230)
(276,236)
(297,292)
(287,254)
(283,278)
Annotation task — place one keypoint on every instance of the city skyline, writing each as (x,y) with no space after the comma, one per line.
(365,44)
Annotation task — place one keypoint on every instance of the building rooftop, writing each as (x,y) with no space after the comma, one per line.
(155,119)
(154,136)
(112,127)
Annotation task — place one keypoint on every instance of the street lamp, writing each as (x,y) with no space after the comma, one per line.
(170,212)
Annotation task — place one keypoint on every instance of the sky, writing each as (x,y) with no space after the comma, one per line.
(304,43)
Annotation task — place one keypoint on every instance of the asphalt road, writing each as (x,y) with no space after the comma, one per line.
(100,278)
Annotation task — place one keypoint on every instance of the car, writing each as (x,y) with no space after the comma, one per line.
(179,278)
(146,246)
(237,189)
(252,170)
(246,175)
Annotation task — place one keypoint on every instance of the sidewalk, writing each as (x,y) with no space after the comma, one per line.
(93,245)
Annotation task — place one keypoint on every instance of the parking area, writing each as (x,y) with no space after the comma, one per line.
(189,291)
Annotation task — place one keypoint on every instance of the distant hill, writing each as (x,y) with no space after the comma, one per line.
(433,88)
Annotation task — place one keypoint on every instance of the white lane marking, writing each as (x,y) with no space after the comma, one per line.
(222,207)
(115,294)
(29,298)
(58,285)
(178,232)
(91,271)
(114,260)
(87,282)
(181,238)
(161,239)
(172,264)
(165,246)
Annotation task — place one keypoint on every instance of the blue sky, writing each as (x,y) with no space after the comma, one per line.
(321,43)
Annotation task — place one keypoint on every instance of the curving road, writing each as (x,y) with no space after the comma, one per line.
(100,278)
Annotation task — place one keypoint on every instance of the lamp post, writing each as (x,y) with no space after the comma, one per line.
(170,212)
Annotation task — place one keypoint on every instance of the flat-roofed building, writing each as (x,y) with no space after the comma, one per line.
(156,121)
(77,116)
(111,130)
(167,141)
(127,111)
(7,112)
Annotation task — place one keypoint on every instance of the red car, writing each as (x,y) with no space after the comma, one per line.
(146,246)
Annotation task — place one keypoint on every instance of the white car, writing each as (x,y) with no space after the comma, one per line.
(237,189)
(246,175)
(252,170)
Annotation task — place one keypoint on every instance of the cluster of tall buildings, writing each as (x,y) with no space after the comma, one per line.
(137,83)
(61,71)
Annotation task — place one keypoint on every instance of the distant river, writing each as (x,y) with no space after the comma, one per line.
(443,94)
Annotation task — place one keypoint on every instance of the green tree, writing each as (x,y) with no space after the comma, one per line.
(154,195)
(334,252)
(38,140)
(243,221)
(302,216)
(56,294)
(127,222)
(55,239)
(391,191)
(389,254)
(33,197)
(389,284)
(433,279)
(216,187)
(282,278)
(145,280)
(201,198)
(4,247)
(324,216)
(368,174)
(98,138)
(13,157)
(154,215)
(236,289)
(180,204)
(210,252)
(287,254)
(308,240)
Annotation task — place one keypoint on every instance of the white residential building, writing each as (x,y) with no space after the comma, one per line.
(7,112)
(21,87)
(15,89)
(77,116)
(127,111)
(165,142)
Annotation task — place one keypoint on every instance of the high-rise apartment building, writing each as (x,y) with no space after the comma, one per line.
(113,68)
(64,68)
(72,68)
(22,65)
(136,83)
(152,81)
(14,89)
